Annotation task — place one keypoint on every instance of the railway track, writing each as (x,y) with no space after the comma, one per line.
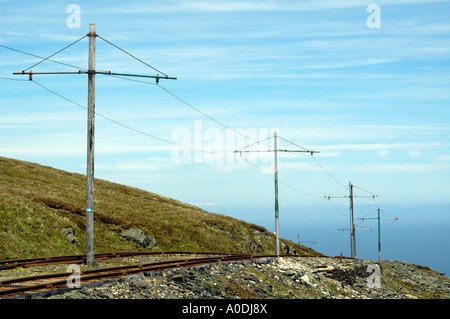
(42,282)
(79,259)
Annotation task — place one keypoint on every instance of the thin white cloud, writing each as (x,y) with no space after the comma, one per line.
(272,6)
(382,147)
(443,157)
(415,153)
(367,167)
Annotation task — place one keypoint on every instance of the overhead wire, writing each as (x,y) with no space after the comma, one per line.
(373,194)
(131,55)
(258,142)
(12,79)
(45,59)
(178,98)
(145,82)
(120,77)
(337,208)
(281,182)
(128,126)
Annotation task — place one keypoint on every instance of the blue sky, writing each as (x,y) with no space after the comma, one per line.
(373,101)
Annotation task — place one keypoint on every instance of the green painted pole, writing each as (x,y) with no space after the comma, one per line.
(379,236)
(277,228)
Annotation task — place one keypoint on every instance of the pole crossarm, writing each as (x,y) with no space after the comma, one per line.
(271,151)
(275,150)
(354,196)
(379,218)
(352,228)
(157,77)
(91,72)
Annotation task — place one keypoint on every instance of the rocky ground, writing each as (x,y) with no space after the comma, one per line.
(274,278)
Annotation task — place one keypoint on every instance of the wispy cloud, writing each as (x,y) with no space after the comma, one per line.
(242,6)
(383,146)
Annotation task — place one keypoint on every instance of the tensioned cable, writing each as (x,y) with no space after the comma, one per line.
(237,151)
(329,174)
(203,113)
(280,182)
(321,166)
(127,126)
(11,79)
(189,105)
(365,190)
(337,208)
(160,139)
(135,80)
(293,143)
(134,57)
(166,90)
(45,59)
(295,189)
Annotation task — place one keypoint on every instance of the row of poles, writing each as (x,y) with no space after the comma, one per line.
(90,155)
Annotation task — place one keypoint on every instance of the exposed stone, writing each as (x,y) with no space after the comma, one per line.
(70,234)
(139,237)
(270,278)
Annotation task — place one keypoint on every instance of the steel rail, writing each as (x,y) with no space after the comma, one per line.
(53,281)
(8,264)
(108,273)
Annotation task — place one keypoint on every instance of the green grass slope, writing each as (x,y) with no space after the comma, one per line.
(38,203)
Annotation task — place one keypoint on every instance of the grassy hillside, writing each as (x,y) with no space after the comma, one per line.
(39,205)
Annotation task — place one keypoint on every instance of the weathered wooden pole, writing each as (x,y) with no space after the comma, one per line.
(90,150)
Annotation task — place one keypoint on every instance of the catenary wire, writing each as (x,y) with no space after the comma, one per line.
(126,126)
(47,59)
(169,92)
(131,55)
(44,59)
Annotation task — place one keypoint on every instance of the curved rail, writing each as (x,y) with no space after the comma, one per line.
(52,281)
(78,259)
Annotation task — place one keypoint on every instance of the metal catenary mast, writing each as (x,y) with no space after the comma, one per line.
(275,151)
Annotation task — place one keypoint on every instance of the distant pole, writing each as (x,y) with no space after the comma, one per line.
(352,224)
(298,240)
(277,232)
(90,150)
(379,237)
(276,150)
(379,230)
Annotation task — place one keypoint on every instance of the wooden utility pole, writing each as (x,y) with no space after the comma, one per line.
(277,212)
(90,149)
(91,127)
